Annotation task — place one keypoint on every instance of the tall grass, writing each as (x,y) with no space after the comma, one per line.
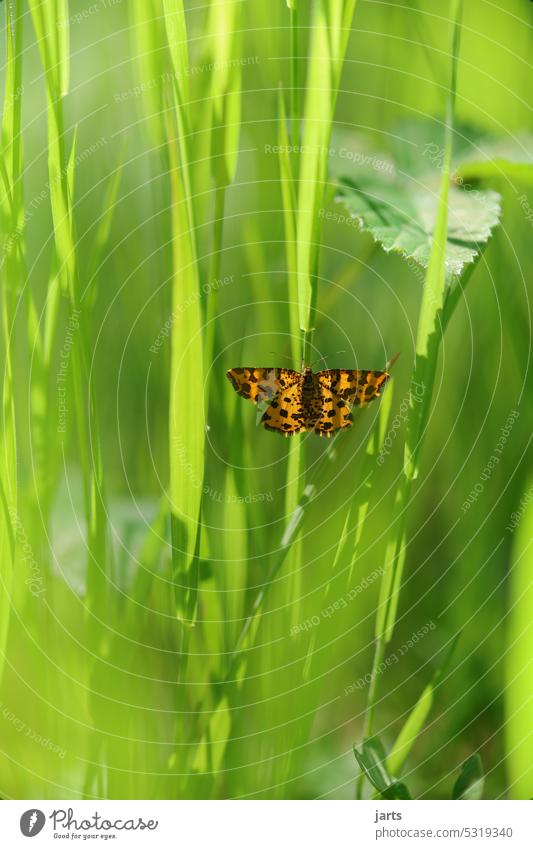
(518,657)
(12,271)
(428,343)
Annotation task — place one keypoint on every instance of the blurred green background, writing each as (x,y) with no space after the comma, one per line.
(70,727)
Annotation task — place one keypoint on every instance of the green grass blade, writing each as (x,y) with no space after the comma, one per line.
(429,332)
(148,39)
(186,432)
(223,26)
(186,429)
(63,45)
(429,337)
(347,548)
(416,720)
(11,210)
(330,26)
(288,194)
(176,28)
(316,128)
(519,662)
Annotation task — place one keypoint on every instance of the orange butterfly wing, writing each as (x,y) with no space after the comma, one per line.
(343,388)
(286,412)
(279,386)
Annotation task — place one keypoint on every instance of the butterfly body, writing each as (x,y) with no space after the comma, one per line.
(306,401)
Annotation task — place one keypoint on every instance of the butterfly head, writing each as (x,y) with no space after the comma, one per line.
(308,375)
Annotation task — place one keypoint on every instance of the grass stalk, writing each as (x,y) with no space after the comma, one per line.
(214,273)
(295,78)
(186,432)
(11,266)
(429,337)
(330,27)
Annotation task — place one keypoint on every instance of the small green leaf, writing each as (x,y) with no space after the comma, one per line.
(372,761)
(469,784)
(397,790)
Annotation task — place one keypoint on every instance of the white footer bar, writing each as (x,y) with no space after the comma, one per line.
(267,824)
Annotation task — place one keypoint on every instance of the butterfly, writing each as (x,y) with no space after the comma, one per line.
(304,401)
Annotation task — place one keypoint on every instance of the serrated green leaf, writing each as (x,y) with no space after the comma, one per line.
(401,215)
(469,784)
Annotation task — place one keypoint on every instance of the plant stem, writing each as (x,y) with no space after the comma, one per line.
(214,274)
(429,337)
(381,638)
(295,81)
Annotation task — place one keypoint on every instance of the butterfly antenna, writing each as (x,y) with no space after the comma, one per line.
(323,357)
(392,361)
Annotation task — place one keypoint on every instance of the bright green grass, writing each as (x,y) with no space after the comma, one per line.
(188,603)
